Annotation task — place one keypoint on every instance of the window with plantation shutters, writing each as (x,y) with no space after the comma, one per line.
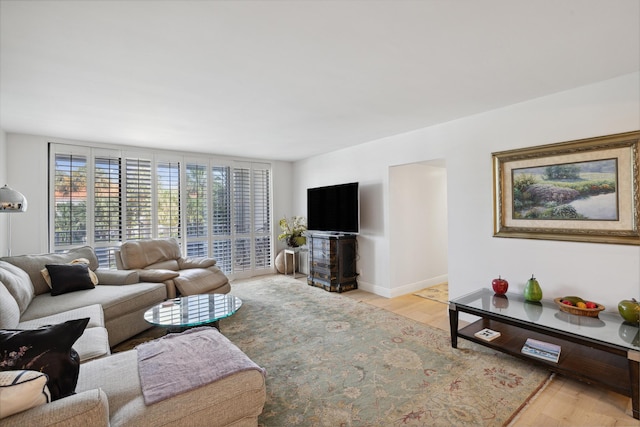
(221,216)
(217,208)
(107,208)
(197,209)
(196,201)
(139,199)
(261,194)
(70,200)
(107,200)
(241,205)
(168,199)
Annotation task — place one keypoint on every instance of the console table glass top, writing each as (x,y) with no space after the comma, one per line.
(608,327)
(193,310)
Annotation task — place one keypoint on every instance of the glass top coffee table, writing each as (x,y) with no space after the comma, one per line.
(194,310)
(601,350)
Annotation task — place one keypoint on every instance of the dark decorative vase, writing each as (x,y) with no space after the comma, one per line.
(292,241)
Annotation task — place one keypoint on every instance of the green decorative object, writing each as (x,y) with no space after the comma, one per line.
(293,231)
(532,291)
(629,310)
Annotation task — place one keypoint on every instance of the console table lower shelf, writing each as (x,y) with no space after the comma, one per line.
(582,359)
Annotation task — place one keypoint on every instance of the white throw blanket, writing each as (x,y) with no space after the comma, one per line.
(177,363)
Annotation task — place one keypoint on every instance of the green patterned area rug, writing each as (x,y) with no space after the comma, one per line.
(438,293)
(334,361)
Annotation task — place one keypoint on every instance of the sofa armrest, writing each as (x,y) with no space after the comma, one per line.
(156,275)
(196,262)
(107,276)
(89,408)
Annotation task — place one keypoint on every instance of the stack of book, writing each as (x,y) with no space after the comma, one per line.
(542,350)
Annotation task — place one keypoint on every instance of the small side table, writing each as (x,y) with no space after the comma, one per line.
(294,255)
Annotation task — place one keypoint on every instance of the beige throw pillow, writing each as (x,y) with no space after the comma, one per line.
(21,390)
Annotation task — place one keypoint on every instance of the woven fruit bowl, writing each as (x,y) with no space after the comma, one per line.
(589,312)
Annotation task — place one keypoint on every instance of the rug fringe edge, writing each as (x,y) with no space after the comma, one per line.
(532,397)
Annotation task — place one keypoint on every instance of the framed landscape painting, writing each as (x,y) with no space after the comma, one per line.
(586,190)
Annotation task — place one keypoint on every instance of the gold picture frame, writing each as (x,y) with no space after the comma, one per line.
(585,190)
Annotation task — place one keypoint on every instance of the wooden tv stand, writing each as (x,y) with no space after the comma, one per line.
(603,350)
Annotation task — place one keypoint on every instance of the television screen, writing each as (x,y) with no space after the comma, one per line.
(335,208)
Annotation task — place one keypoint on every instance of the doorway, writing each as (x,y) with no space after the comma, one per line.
(418,226)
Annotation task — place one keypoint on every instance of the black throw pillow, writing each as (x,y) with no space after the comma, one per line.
(69,277)
(48,350)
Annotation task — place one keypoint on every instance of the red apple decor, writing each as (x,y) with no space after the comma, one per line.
(500,286)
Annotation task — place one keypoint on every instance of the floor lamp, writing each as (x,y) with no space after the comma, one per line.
(11,201)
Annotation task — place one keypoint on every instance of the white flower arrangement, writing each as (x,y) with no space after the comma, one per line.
(292,231)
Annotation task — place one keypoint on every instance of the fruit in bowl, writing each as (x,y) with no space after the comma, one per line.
(500,285)
(629,310)
(576,305)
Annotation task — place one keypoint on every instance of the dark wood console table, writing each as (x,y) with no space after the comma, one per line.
(602,350)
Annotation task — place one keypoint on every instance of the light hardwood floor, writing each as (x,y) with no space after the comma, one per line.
(564,402)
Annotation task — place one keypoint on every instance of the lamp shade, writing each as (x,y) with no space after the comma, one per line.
(12,200)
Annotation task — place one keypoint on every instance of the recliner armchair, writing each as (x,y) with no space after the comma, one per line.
(160,260)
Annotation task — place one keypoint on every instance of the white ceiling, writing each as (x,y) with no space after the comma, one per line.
(291,79)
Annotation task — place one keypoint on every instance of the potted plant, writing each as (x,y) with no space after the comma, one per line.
(292,231)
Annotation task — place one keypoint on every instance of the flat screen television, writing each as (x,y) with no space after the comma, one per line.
(334,208)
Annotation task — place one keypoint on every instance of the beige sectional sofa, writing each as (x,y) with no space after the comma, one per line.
(121,294)
(109,391)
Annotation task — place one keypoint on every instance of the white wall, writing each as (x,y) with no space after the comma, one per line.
(3,180)
(28,172)
(418,235)
(605,273)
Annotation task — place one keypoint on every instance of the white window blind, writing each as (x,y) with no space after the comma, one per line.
(107,208)
(107,200)
(139,199)
(70,200)
(168,199)
(197,200)
(242,215)
(261,195)
(221,216)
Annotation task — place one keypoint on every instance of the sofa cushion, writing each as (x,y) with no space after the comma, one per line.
(116,301)
(200,280)
(157,275)
(33,264)
(137,254)
(18,284)
(9,310)
(93,343)
(47,349)
(93,312)
(237,397)
(117,277)
(196,262)
(67,278)
(21,390)
(171,265)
